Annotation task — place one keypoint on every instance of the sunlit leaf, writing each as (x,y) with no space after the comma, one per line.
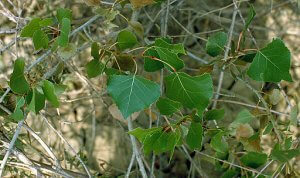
(50,94)
(37,101)
(167,106)
(192,92)
(62,13)
(132,93)
(272,63)
(65,30)
(18,83)
(218,143)
(40,40)
(31,27)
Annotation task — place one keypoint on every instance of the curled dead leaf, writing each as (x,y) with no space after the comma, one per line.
(141,3)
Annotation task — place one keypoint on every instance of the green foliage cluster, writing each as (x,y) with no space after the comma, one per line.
(185,98)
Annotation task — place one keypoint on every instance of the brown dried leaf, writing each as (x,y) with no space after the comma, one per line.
(141,3)
(115,112)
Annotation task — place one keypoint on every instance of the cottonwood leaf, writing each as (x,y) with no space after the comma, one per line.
(62,13)
(31,27)
(158,139)
(272,63)
(67,52)
(94,68)
(50,94)
(167,106)
(214,114)
(95,50)
(126,39)
(192,92)
(18,83)
(18,115)
(169,53)
(215,44)
(251,15)
(132,93)
(194,136)
(40,40)
(65,30)
(36,101)
(151,65)
(46,22)
(218,143)
(254,159)
(278,154)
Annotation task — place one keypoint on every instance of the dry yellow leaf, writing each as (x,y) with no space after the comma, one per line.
(141,3)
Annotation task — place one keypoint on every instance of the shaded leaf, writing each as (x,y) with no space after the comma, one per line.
(214,114)
(40,40)
(194,136)
(150,64)
(94,68)
(132,93)
(95,50)
(31,27)
(126,39)
(65,30)
(37,101)
(67,52)
(272,63)
(50,94)
(63,13)
(18,83)
(167,106)
(250,17)
(254,159)
(278,154)
(215,44)
(218,143)
(18,115)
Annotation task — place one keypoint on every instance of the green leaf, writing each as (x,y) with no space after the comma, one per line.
(132,93)
(94,68)
(49,92)
(18,83)
(278,154)
(230,173)
(243,117)
(37,101)
(214,114)
(174,48)
(192,92)
(65,30)
(67,52)
(63,13)
(251,15)
(169,53)
(218,143)
(194,136)
(46,22)
(141,134)
(59,89)
(18,115)
(254,159)
(161,141)
(293,115)
(247,57)
(126,39)
(272,63)
(40,40)
(157,139)
(268,129)
(167,106)
(95,50)
(215,44)
(150,64)
(288,143)
(31,27)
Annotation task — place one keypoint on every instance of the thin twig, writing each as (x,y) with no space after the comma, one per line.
(135,150)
